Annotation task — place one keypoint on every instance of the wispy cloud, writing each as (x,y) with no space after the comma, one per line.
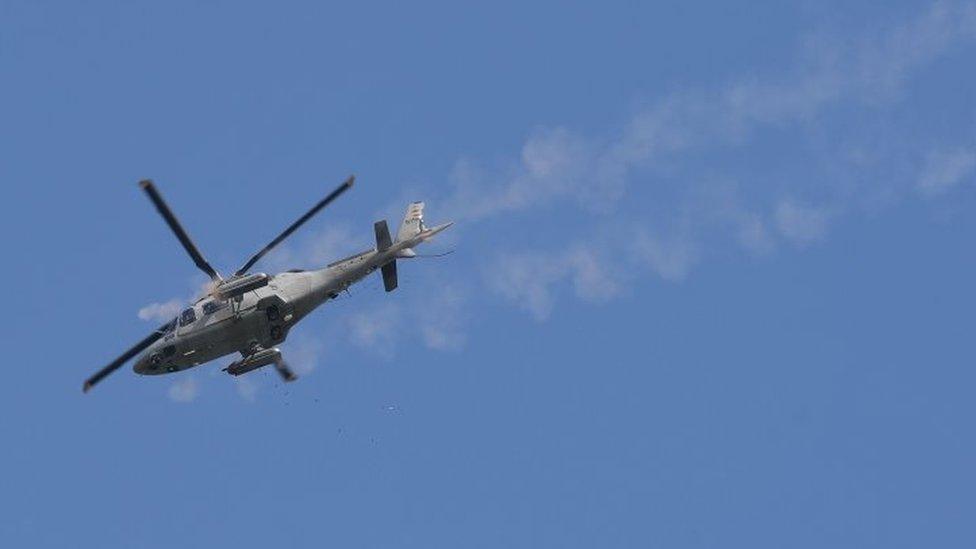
(531,279)
(557,163)
(441,318)
(314,252)
(670,257)
(184,389)
(944,169)
(662,153)
(303,353)
(246,388)
(376,330)
(164,311)
(801,224)
(161,312)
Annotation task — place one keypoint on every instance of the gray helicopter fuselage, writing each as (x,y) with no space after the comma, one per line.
(261,318)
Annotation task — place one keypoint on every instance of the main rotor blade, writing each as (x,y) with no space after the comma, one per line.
(115,364)
(174,224)
(301,220)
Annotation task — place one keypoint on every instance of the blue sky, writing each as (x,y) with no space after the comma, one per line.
(712,280)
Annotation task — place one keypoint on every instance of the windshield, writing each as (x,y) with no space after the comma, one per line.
(188,316)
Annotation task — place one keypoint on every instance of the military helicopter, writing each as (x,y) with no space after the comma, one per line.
(251,313)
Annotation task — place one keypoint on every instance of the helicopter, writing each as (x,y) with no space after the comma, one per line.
(252,313)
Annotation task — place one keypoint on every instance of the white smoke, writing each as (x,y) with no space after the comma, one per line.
(376,330)
(944,169)
(246,388)
(185,389)
(161,312)
(692,212)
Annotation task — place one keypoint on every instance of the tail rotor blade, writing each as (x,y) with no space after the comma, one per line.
(294,226)
(174,224)
(118,362)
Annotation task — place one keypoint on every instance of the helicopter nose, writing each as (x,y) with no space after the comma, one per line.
(147,364)
(141,366)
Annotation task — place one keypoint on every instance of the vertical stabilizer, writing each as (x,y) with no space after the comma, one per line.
(413,222)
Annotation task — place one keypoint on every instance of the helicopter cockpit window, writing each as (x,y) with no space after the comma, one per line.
(188,316)
(212,307)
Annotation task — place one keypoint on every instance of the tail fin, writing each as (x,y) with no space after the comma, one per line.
(413,222)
